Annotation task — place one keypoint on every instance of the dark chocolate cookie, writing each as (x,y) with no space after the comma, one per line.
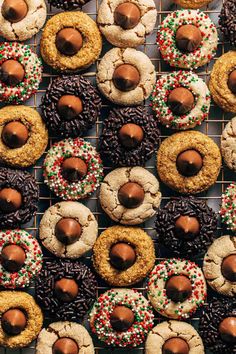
(67,4)
(228,20)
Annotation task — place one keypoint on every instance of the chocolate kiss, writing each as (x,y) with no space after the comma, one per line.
(122,256)
(13,321)
(10,200)
(187,227)
(14,10)
(228,267)
(227,329)
(127,15)
(122,318)
(131,195)
(175,345)
(178,288)
(65,345)
(15,134)
(13,258)
(12,72)
(66,289)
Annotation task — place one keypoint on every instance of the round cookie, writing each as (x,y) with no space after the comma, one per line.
(174,335)
(227,21)
(123,256)
(181,100)
(194,46)
(67,4)
(73,169)
(192,4)
(70,106)
(126,76)
(21,319)
(125,24)
(68,229)
(227,210)
(121,318)
(130,136)
(70,51)
(188,162)
(19,196)
(228,144)
(23,136)
(130,195)
(176,288)
(64,335)
(21,20)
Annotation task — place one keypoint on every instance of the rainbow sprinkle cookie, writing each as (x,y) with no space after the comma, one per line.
(167,43)
(228,207)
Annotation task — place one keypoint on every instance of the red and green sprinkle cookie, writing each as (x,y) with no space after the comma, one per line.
(228,207)
(33,260)
(100,318)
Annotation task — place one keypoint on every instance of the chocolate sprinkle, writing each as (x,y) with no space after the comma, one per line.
(67,4)
(228,20)
(193,207)
(110,145)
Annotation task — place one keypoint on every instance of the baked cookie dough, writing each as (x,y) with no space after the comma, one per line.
(192,4)
(181,100)
(174,336)
(63,336)
(121,318)
(23,136)
(22,19)
(130,195)
(176,288)
(68,229)
(227,211)
(126,76)
(67,4)
(187,39)
(123,255)
(20,319)
(130,136)
(228,144)
(19,196)
(125,24)
(70,106)
(227,21)
(73,169)
(188,162)
(70,41)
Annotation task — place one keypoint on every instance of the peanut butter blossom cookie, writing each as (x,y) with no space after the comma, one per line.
(192,4)
(228,207)
(176,288)
(181,100)
(20,72)
(73,169)
(228,144)
(187,39)
(227,21)
(121,318)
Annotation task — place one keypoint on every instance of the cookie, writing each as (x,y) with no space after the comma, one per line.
(21,319)
(121,318)
(73,169)
(188,162)
(70,106)
(227,21)
(130,195)
(123,256)
(176,288)
(186,226)
(228,144)
(187,39)
(21,72)
(181,100)
(21,20)
(126,76)
(227,211)
(70,41)
(67,4)
(125,24)
(19,196)
(172,336)
(192,4)
(68,229)
(130,136)
(23,136)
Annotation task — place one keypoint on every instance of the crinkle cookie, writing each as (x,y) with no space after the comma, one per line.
(228,144)
(188,162)
(123,255)
(187,39)
(70,106)
(176,288)
(174,336)
(22,19)
(24,136)
(130,136)
(63,336)
(67,4)
(126,76)
(20,72)
(68,229)
(130,195)
(228,203)
(121,318)
(70,41)
(125,24)
(181,100)
(227,21)
(192,4)
(21,319)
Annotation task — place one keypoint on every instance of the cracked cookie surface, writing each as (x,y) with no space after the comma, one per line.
(228,144)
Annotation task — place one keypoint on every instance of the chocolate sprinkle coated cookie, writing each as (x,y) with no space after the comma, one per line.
(228,21)
(67,4)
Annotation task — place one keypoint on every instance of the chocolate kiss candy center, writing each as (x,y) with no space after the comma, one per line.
(178,288)
(69,106)
(15,134)
(74,169)
(131,195)
(13,258)
(228,267)
(65,345)
(66,289)
(189,163)
(13,321)
(10,200)
(127,15)
(187,227)
(188,38)
(180,100)
(130,135)
(232,81)
(69,41)
(122,318)
(122,256)
(14,10)
(175,345)
(12,72)
(68,231)
(126,77)
(227,329)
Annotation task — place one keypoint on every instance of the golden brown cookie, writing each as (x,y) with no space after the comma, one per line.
(192,4)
